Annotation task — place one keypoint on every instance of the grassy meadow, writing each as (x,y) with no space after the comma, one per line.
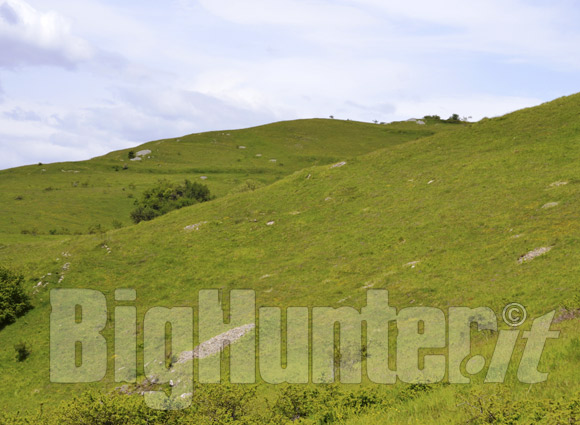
(438,214)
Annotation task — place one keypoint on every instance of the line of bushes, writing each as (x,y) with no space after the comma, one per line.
(303,404)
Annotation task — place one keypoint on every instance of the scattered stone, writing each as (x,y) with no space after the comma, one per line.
(550,205)
(533,254)
(566,314)
(556,184)
(269,290)
(216,344)
(241,147)
(430,181)
(338,164)
(259,155)
(270,223)
(308,176)
(137,158)
(70,171)
(195,226)
(272,160)
(294,212)
(143,152)
(265,276)
(203,177)
(411,264)
(328,198)
(420,122)
(124,389)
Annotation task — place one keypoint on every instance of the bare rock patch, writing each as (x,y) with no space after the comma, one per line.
(534,253)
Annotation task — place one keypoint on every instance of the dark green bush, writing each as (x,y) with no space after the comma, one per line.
(22,351)
(167,196)
(454,119)
(14,302)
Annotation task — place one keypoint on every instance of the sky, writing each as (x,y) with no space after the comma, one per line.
(81,78)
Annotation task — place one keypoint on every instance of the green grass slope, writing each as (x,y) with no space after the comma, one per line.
(465,205)
(76,197)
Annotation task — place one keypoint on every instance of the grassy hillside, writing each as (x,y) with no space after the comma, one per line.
(77,197)
(461,206)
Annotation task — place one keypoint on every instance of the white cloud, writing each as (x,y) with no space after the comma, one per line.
(523,31)
(30,37)
(22,150)
(35,132)
(161,69)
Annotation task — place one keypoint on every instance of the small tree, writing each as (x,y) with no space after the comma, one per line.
(131,154)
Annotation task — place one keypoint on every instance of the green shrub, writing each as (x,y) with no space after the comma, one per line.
(454,119)
(22,351)
(14,302)
(108,409)
(224,403)
(413,391)
(167,196)
(323,403)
